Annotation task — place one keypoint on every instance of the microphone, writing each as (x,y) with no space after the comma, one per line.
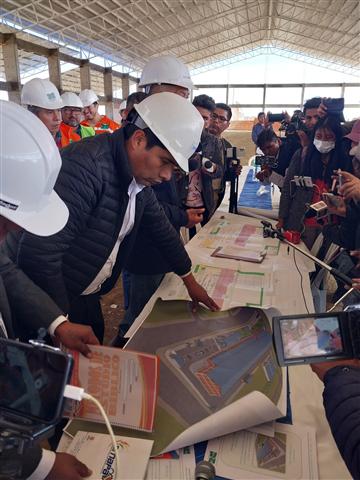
(204,471)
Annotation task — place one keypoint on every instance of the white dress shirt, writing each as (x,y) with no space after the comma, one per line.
(127,226)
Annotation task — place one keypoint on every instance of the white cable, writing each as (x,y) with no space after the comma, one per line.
(77,393)
(109,427)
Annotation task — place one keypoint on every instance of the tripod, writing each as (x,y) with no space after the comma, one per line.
(234,192)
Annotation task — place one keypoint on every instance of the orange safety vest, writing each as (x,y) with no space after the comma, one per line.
(105,125)
(69,135)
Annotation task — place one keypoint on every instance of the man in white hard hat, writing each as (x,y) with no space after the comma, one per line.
(71,129)
(166,73)
(103,182)
(92,117)
(29,165)
(42,98)
(145,270)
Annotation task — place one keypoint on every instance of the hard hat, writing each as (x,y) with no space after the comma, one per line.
(166,69)
(175,122)
(70,99)
(88,97)
(122,105)
(41,93)
(28,171)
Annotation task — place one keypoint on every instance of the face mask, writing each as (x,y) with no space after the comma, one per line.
(355,152)
(324,146)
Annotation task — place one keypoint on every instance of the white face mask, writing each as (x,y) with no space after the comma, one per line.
(355,151)
(324,146)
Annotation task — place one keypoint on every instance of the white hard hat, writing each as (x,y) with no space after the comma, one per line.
(166,69)
(122,105)
(41,93)
(29,165)
(175,122)
(70,99)
(88,97)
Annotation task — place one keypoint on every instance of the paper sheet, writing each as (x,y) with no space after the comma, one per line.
(221,368)
(175,465)
(290,454)
(96,451)
(124,382)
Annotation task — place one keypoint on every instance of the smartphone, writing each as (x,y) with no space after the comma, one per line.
(334,105)
(32,381)
(302,339)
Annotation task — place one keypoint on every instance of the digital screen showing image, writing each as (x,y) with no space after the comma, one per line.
(310,337)
(31,381)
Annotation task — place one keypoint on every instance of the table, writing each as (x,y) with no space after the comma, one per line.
(266,205)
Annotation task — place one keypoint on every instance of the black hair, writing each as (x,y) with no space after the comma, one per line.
(223,106)
(339,157)
(266,136)
(130,128)
(204,101)
(33,109)
(312,103)
(135,98)
(259,114)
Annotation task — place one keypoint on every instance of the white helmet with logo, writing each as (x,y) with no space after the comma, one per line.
(175,122)
(70,99)
(29,169)
(41,93)
(166,69)
(88,97)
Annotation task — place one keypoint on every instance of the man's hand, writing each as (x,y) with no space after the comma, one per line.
(339,209)
(356,256)
(264,174)
(237,169)
(322,110)
(198,294)
(76,337)
(304,139)
(280,223)
(67,467)
(356,283)
(321,368)
(195,216)
(351,186)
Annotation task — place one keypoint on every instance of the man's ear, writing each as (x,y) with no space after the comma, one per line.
(138,139)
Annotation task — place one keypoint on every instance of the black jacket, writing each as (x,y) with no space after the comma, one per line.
(342,406)
(347,232)
(148,257)
(93,182)
(23,305)
(24,308)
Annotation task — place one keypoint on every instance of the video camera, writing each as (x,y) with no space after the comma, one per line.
(312,338)
(32,382)
(233,155)
(296,124)
(266,161)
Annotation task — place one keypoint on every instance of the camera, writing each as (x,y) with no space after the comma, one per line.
(266,161)
(312,338)
(320,210)
(33,378)
(233,155)
(276,117)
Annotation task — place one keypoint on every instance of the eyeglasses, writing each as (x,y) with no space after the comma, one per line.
(72,110)
(215,116)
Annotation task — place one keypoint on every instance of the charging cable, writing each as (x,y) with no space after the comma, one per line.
(78,394)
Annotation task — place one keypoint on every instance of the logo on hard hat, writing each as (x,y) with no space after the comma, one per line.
(51,96)
(8,205)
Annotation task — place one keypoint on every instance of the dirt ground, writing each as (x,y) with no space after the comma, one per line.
(113,302)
